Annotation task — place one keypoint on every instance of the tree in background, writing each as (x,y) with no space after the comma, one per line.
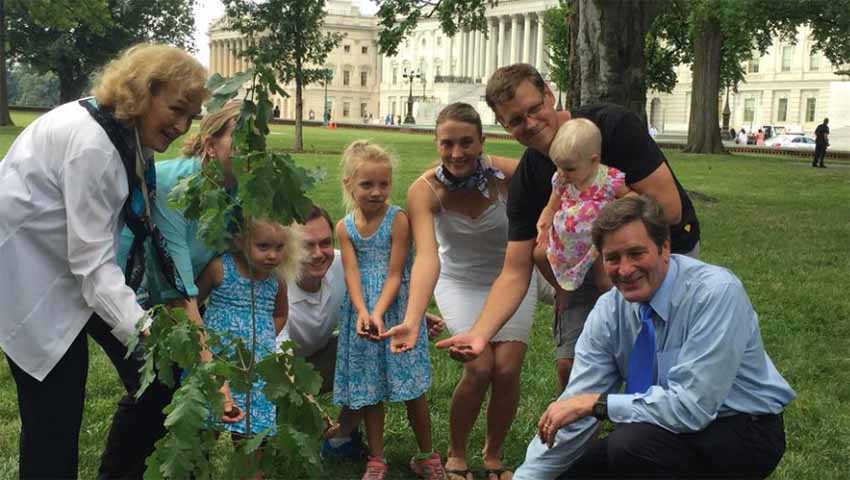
(721,35)
(556,30)
(75,39)
(30,88)
(609,41)
(285,35)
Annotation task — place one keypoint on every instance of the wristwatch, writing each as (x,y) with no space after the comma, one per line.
(600,408)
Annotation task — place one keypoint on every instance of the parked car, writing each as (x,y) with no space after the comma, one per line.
(792,141)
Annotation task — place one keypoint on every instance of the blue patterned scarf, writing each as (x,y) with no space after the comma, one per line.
(136,210)
(476,181)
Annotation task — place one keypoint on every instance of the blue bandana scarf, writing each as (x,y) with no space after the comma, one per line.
(476,181)
(135,210)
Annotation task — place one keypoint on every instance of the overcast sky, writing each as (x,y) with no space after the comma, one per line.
(208,10)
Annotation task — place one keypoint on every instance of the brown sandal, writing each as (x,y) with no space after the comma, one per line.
(458,474)
(498,472)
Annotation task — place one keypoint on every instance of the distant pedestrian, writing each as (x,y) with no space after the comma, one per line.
(760,137)
(742,137)
(276,111)
(821,142)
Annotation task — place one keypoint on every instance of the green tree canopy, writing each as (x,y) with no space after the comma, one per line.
(286,36)
(75,39)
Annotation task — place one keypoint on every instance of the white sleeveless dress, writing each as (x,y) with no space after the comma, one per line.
(472,252)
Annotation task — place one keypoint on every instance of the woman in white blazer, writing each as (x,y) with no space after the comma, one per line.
(68,184)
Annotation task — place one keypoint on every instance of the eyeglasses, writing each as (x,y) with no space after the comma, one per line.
(520,120)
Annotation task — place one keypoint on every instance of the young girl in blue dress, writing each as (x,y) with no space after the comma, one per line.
(265,255)
(375,242)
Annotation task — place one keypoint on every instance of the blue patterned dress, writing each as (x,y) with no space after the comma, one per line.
(229,313)
(367,372)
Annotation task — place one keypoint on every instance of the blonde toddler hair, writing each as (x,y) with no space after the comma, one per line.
(356,154)
(128,82)
(577,139)
(293,252)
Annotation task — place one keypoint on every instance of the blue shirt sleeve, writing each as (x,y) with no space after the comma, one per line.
(701,377)
(595,371)
(176,230)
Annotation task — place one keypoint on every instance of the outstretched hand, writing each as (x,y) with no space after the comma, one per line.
(436,325)
(402,337)
(463,347)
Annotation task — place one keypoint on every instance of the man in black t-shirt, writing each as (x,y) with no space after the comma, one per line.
(821,142)
(525,107)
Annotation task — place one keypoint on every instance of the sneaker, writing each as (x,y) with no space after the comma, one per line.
(352,450)
(430,468)
(376,469)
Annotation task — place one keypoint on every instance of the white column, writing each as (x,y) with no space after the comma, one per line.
(451,56)
(461,54)
(231,50)
(491,42)
(476,53)
(526,39)
(500,46)
(541,47)
(514,39)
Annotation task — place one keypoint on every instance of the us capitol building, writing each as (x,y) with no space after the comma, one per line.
(789,85)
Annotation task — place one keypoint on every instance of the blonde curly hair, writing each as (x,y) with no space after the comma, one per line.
(128,82)
(293,252)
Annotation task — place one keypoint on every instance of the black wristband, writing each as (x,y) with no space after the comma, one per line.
(600,408)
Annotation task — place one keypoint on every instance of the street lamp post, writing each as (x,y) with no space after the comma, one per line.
(326,114)
(410,76)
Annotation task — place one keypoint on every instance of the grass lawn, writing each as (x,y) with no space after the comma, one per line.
(780,225)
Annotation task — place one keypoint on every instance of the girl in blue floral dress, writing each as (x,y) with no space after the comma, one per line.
(375,242)
(264,256)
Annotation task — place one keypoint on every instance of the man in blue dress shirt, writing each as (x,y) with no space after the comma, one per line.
(700,398)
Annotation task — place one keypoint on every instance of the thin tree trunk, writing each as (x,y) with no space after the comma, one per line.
(299,114)
(70,86)
(703,124)
(5,118)
(610,40)
(574,90)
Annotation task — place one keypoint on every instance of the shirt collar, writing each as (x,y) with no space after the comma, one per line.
(297,294)
(660,301)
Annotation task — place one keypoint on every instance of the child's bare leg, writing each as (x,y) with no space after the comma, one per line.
(374,419)
(564,365)
(420,420)
(602,280)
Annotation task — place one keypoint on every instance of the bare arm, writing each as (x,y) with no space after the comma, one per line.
(281,307)
(426,265)
(398,256)
(623,191)
(210,277)
(508,290)
(351,269)
(660,186)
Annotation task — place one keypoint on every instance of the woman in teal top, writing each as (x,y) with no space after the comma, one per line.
(212,142)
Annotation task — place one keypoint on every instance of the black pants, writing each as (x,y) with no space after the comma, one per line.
(51,413)
(820,152)
(738,446)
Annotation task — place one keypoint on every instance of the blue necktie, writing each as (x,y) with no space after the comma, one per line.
(642,359)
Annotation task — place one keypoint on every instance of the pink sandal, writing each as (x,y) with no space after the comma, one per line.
(376,469)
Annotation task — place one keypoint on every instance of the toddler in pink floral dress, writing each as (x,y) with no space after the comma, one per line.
(581,187)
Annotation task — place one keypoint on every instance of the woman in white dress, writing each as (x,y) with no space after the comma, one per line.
(460,228)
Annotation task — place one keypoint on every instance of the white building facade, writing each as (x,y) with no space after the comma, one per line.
(789,86)
(437,70)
